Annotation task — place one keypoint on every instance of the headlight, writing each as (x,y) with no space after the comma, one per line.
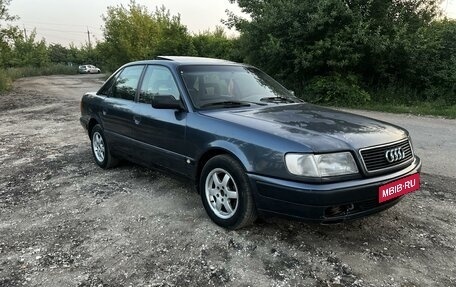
(321,165)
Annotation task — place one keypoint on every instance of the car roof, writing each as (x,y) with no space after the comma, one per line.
(193,60)
(186,60)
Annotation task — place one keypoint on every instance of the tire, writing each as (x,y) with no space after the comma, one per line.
(100,149)
(226,193)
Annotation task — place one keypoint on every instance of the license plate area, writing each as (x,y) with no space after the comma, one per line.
(399,187)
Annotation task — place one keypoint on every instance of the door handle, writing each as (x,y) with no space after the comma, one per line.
(104,112)
(137,119)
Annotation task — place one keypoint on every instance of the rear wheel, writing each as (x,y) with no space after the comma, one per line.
(100,149)
(226,193)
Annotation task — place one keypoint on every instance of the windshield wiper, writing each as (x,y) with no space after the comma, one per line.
(277,99)
(227,104)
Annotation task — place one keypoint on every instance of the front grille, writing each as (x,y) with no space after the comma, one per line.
(374,158)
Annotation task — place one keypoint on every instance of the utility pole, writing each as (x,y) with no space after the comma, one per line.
(88,37)
(25,34)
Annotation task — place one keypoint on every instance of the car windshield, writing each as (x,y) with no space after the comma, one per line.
(232,86)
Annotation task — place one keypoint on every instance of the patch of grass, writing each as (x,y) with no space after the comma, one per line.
(405,100)
(421,108)
(7,76)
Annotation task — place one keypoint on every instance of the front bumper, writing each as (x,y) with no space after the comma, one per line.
(327,203)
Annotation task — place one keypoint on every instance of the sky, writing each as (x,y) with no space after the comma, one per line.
(67,21)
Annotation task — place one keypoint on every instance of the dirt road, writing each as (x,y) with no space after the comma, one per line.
(66,222)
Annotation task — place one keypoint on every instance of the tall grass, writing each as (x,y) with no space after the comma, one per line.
(414,108)
(8,75)
(56,69)
(405,100)
(5,81)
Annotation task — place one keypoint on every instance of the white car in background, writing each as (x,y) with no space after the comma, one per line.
(88,69)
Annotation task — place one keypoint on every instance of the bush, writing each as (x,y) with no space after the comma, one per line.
(335,90)
(5,81)
(432,69)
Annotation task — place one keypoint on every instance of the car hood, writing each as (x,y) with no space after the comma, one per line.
(320,129)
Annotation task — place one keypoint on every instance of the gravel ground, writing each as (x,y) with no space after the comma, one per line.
(66,222)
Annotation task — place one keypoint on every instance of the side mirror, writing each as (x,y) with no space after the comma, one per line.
(167,102)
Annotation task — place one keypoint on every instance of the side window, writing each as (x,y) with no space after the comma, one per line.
(158,81)
(106,89)
(127,83)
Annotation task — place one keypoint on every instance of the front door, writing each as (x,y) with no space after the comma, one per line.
(162,131)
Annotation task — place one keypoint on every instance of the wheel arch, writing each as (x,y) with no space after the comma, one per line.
(93,122)
(220,149)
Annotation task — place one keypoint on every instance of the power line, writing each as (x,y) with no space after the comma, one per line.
(51,37)
(66,32)
(59,24)
(59,38)
(56,30)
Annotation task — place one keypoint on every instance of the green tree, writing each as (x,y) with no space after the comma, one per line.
(214,44)
(432,68)
(86,54)
(29,52)
(309,44)
(133,33)
(8,32)
(58,54)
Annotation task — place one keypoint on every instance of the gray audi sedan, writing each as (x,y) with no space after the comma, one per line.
(247,143)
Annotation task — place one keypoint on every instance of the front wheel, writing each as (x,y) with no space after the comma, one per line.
(100,149)
(226,193)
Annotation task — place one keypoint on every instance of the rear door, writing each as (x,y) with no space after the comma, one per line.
(161,131)
(118,113)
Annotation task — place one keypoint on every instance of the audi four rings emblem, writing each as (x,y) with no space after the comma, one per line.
(395,154)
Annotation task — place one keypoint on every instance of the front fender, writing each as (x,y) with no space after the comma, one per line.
(233,149)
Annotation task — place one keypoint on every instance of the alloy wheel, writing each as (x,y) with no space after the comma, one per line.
(221,193)
(98,146)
